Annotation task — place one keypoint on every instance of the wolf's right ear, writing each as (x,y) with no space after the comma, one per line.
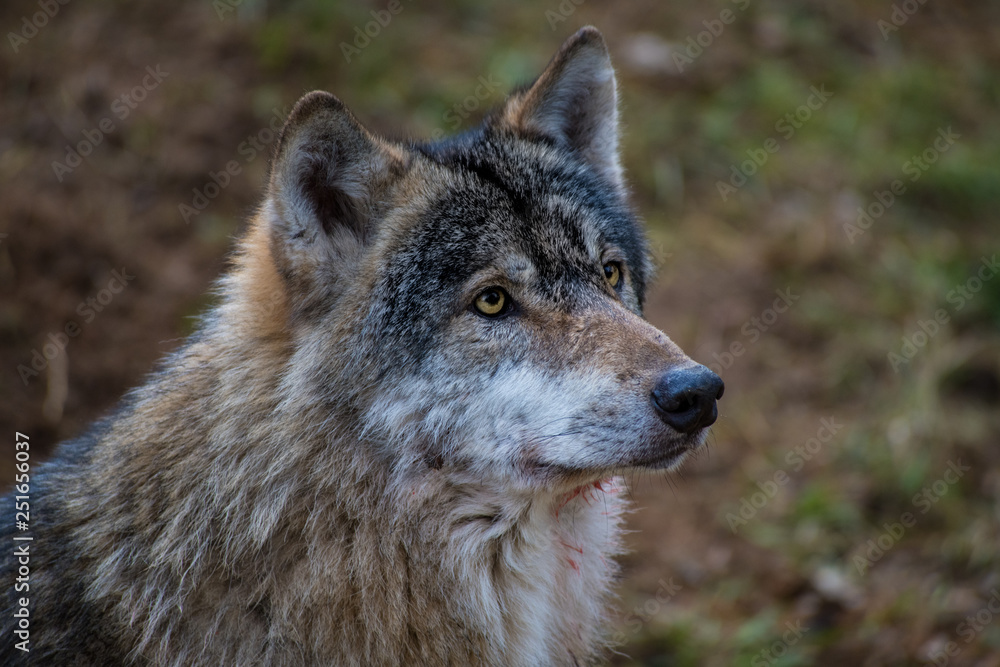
(328,179)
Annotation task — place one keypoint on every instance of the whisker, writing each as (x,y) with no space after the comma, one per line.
(558,435)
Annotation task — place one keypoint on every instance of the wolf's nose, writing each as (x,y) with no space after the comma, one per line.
(685,398)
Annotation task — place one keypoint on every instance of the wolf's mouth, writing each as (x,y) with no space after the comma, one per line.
(658,457)
(660,460)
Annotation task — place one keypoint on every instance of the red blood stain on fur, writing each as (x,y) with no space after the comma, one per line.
(587,492)
(579,550)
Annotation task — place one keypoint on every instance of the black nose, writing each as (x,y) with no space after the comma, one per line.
(685,398)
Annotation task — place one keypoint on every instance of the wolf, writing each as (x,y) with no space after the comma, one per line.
(399,436)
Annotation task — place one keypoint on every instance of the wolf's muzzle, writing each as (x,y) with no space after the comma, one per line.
(684,398)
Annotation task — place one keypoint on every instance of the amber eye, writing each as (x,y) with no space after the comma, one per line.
(613,273)
(492,302)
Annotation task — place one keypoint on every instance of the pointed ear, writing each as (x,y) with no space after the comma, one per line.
(575,103)
(329,179)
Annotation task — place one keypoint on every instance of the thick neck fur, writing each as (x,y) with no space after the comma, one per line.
(326,552)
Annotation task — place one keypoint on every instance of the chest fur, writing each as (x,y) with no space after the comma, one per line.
(527,585)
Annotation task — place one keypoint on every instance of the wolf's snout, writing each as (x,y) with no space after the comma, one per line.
(685,398)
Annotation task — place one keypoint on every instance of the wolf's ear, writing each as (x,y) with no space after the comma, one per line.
(328,179)
(575,103)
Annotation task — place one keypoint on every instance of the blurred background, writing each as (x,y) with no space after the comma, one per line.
(821,183)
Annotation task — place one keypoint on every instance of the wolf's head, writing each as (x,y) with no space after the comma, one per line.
(475,305)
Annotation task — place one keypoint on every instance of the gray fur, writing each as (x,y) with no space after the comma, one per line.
(348,464)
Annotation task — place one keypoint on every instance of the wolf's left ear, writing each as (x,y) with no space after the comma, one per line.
(575,103)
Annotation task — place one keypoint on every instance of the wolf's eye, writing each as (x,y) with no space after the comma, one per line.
(492,302)
(613,273)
